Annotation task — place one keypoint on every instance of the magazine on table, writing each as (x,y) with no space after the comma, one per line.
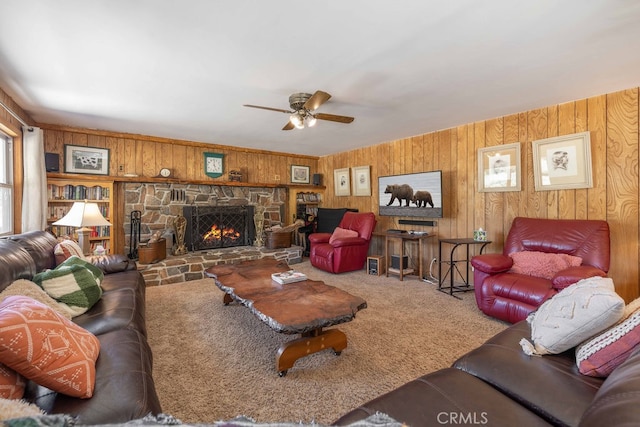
(290,276)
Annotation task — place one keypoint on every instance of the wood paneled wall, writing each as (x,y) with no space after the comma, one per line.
(613,123)
(145,156)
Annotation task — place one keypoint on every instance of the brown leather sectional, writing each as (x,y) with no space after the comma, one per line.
(497,384)
(124,388)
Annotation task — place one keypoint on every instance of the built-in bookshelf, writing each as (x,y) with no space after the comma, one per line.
(62,193)
(307,204)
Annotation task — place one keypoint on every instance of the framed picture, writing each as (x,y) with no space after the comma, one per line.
(361,181)
(299,174)
(499,168)
(90,160)
(341,182)
(562,162)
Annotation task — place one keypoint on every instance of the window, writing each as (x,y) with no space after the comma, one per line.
(6,184)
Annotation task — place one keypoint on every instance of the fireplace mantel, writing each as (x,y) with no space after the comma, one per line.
(153,179)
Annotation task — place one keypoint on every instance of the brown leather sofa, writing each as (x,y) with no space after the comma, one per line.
(498,385)
(124,388)
(509,296)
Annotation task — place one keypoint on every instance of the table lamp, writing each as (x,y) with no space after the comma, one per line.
(83,215)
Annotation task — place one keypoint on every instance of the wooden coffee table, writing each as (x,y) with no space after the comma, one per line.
(303,308)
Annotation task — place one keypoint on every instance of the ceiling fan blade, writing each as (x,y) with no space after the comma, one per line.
(334,118)
(288,126)
(316,100)
(268,108)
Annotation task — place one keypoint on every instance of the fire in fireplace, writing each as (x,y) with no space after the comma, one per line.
(210,227)
(216,233)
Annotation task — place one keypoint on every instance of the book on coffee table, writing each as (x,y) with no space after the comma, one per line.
(290,276)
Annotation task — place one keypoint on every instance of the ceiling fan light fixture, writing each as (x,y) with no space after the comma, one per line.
(311,120)
(303,105)
(296,120)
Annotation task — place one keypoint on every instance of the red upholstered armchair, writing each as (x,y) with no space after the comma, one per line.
(511,296)
(340,254)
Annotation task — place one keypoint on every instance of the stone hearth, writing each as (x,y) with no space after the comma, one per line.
(182,268)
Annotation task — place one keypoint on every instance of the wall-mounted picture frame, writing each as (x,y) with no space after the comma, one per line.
(88,160)
(361,183)
(562,162)
(499,168)
(417,195)
(341,182)
(299,174)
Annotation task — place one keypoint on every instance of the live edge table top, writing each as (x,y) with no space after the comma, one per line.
(294,308)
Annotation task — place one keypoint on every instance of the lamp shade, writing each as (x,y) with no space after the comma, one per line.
(83,214)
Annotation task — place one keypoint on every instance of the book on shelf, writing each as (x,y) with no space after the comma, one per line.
(290,276)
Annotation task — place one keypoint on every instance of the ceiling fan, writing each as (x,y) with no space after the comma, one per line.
(303,106)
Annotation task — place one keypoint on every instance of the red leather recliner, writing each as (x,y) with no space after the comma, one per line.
(346,253)
(510,296)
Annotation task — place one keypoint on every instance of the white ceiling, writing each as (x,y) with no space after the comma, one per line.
(183,69)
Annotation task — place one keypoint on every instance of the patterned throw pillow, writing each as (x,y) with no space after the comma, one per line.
(11,383)
(66,249)
(74,260)
(542,264)
(341,233)
(600,355)
(573,315)
(75,283)
(40,344)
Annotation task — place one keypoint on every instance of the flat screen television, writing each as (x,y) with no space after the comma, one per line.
(413,195)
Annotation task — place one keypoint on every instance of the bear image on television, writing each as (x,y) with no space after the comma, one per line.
(400,192)
(422,198)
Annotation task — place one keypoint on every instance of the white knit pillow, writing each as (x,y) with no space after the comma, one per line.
(573,315)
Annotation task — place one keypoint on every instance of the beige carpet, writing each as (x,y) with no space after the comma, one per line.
(214,362)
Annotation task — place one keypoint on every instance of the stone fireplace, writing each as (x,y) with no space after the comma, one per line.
(160,203)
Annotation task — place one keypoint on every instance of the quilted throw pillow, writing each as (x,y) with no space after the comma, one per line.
(341,233)
(600,355)
(40,344)
(75,283)
(573,315)
(542,264)
(66,249)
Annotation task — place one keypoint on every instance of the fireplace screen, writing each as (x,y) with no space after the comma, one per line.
(210,227)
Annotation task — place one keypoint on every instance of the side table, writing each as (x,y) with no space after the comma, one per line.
(453,265)
(404,237)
